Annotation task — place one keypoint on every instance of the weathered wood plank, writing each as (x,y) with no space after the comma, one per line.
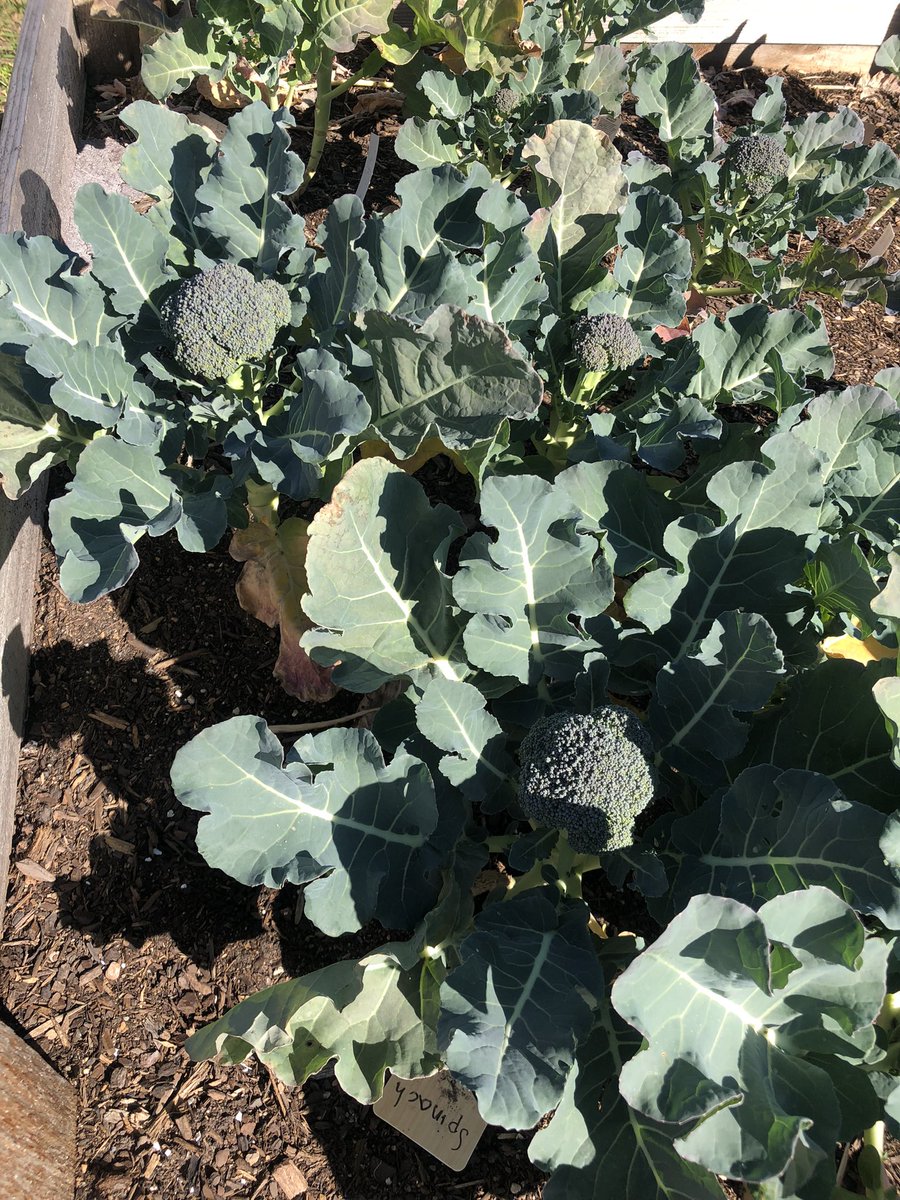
(37,1125)
(37,157)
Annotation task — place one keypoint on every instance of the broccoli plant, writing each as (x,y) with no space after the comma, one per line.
(589,774)
(599,642)
(447,324)
(753,205)
(601,345)
(222,319)
(475,117)
(255,50)
(210,362)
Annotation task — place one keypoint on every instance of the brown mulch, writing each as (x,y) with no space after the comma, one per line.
(130,942)
(120,941)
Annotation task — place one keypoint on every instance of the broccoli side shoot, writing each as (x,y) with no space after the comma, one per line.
(605,343)
(758,163)
(589,775)
(220,319)
(505,102)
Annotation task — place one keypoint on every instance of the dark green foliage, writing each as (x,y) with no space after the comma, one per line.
(605,343)
(590,775)
(758,163)
(219,319)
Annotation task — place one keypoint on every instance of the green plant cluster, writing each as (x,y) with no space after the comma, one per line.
(662,661)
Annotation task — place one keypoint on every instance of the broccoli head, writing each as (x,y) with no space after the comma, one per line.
(505,101)
(589,775)
(218,319)
(605,343)
(758,163)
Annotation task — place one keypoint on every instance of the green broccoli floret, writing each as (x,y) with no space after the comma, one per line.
(219,319)
(757,163)
(605,343)
(505,101)
(589,775)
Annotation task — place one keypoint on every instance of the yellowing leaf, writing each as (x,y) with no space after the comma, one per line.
(861,650)
(271,587)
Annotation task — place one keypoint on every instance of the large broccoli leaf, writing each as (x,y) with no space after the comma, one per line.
(771,514)
(342,281)
(314,421)
(169,160)
(390,614)
(452,716)
(118,494)
(735,668)
(731,1002)
(654,265)
(515,1008)
(775,832)
(31,439)
(45,298)
(455,377)
(830,722)
(241,196)
(331,812)
(412,249)
(580,186)
(370,1016)
(128,255)
(857,432)
(673,97)
(525,587)
(594,1137)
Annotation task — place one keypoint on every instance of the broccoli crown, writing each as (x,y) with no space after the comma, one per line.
(589,775)
(759,162)
(221,318)
(505,101)
(605,343)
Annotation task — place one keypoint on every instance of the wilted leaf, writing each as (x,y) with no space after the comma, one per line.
(271,587)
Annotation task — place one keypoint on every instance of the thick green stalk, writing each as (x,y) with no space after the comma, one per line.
(324,97)
(716,290)
(585,386)
(326,94)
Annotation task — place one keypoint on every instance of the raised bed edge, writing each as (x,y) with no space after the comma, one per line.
(37,159)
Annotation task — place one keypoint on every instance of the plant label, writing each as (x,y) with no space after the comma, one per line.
(436,1113)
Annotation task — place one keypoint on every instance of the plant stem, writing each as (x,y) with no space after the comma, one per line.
(324,98)
(585,386)
(880,213)
(874,1137)
(312,726)
(714,290)
(372,63)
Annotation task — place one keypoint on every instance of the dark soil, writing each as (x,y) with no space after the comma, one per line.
(130,942)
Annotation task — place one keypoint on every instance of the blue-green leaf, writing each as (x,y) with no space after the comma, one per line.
(515,1009)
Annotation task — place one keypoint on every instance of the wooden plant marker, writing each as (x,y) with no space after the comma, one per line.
(436,1113)
(37,1125)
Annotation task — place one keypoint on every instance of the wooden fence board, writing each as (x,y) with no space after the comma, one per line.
(37,157)
(37,1125)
